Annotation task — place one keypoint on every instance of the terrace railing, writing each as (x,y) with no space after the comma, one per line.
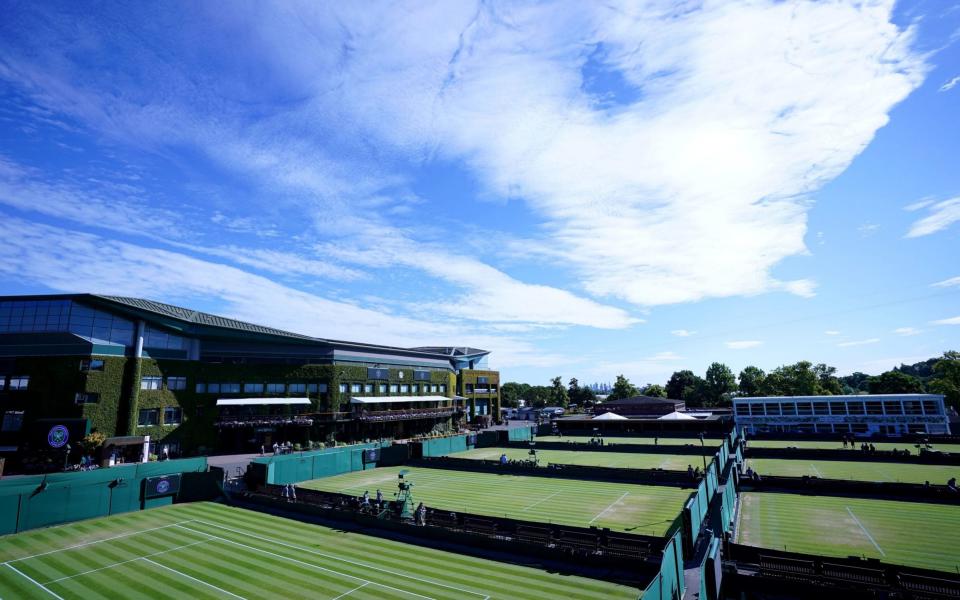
(234,421)
(406,414)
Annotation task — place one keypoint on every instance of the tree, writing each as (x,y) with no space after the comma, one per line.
(946,378)
(680,381)
(827,381)
(511,393)
(856,382)
(655,390)
(558,393)
(581,396)
(895,382)
(797,379)
(537,396)
(719,381)
(622,388)
(751,381)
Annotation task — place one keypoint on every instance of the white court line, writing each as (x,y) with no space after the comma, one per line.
(153,562)
(116,537)
(600,514)
(815,470)
(352,591)
(306,564)
(339,558)
(33,581)
(867,533)
(123,562)
(540,501)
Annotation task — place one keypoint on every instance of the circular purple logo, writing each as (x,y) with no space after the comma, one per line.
(58,436)
(163,486)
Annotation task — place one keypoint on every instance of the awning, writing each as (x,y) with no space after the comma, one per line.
(261,401)
(676,416)
(389,399)
(609,416)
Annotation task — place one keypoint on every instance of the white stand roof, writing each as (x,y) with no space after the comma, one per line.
(261,401)
(388,399)
(675,416)
(609,416)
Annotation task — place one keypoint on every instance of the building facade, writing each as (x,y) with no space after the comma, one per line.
(193,381)
(639,406)
(881,414)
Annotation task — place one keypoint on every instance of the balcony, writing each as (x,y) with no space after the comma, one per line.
(234,421)
(406,414)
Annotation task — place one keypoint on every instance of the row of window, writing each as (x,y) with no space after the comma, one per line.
(393,388)
(156,383)
(172,415)
(14,382)
(259,388)
(869,407)
(481,387)
(12,420)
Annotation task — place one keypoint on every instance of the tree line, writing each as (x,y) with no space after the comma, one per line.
(718,386)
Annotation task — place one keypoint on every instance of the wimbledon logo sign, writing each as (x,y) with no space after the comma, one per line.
(163,486)
(58,436)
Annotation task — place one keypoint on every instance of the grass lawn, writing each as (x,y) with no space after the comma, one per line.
(642,509)
(834,445)
(711,445)
(907,533)
(628,460)
(207,550)
(859,471)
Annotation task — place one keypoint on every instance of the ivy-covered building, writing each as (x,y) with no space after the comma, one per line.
(194,381)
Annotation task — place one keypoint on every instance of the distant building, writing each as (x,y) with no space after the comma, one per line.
(640,406)
(884,414)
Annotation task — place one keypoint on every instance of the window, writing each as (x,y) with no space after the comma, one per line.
(378,374)
(172,415)
(404,388)
(201,388)
(393,388)
(213,388)
(276,388)
(19,382)
(355,388)
(382,388)
(821,408)
(415,388)
(874,408)
(12,420)
(772,408)
(855,408)
(434,388)
(912,407)
(343,388)
(741,409)
(838,408)
(368,388)
(756,409)
(91,364)
(86,398)
(155,338)
(176,383)
(469,388)
(482,380)
(320,387)
(298,388)
(443,388)
(788,408)
(930,407)
(148,416)
(253,388)
(421,375)
(229,388)
(804,408)
(892,407)
(151,383)
(3,382)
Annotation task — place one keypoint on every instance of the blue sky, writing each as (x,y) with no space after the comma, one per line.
(583,189)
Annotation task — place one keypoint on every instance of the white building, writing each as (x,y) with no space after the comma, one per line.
(885,414)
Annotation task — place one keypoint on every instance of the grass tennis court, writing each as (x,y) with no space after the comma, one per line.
(907,533)
(711,445)
(836,445)
(858,471)
(642,509)
(627,460)
(207,550)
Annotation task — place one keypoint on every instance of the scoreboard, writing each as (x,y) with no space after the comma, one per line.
(371,455)
(167,485)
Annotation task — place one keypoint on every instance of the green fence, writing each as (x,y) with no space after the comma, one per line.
(42,500)
(668,584)
(521,434)
(303,466)
(445,445)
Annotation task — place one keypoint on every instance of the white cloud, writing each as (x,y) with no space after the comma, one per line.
(950,321)
(941,215)
(953,281)
(949,85)
(743,344)
(696,189)
(683,332)
(907,331)
(918,205)
(858,343)
(868,229)
(831,332)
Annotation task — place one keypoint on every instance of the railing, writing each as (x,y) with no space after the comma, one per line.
(405,414)
(263,420)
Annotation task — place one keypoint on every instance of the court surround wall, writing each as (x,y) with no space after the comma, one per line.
(83,495)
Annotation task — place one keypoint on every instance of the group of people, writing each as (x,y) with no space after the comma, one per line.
(281,448)
(289,492)
(694,473)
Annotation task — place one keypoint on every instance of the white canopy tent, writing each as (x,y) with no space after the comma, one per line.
(609,416)
(676,416)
